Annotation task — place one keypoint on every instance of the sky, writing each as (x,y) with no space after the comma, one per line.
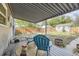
(73,14)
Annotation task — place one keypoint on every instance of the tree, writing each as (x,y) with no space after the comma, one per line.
(59,20)
(25,24)
(76,22)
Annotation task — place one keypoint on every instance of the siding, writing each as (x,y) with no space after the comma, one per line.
(5,35)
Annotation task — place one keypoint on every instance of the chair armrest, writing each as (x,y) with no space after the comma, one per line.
(29,42)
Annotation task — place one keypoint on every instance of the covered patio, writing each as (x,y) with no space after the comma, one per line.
(37,12)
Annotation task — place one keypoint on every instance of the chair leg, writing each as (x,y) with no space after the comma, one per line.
(47,53)
(36,52)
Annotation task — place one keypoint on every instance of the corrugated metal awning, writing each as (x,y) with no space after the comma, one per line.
(36,12)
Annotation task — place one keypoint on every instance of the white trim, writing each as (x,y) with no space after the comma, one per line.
(4,5)
(2,14)
(3,26)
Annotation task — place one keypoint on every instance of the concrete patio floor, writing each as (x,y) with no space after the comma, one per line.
(15,50)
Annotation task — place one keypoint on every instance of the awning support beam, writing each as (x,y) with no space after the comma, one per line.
(45,27)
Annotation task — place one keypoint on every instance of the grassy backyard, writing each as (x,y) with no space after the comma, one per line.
(65,36)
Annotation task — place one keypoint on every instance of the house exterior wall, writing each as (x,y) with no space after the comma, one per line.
(6,31)
(62,28)
(67,29)
(59,28)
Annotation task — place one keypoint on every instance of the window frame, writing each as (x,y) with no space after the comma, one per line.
(3,15)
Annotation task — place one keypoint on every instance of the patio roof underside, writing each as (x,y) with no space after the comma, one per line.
(36,12)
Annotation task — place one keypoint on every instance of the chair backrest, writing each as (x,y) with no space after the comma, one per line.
(42,42)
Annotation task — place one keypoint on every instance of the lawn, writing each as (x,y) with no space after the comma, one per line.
(66,36)
(61,33)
